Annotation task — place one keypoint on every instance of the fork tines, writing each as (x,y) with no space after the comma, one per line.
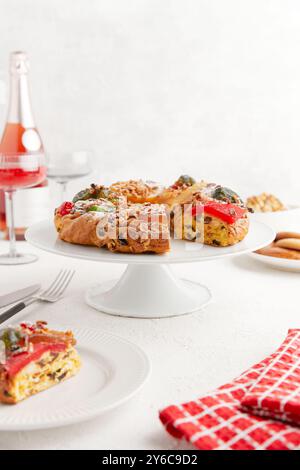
(58,286)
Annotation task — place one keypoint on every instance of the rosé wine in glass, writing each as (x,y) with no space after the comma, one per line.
(22,159)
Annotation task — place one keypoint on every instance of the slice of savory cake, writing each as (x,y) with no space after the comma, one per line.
(214,216)
(33,359)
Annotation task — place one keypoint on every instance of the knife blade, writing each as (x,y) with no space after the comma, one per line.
(19,294)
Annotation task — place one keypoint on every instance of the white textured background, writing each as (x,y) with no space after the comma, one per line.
(157,88)
(161,87)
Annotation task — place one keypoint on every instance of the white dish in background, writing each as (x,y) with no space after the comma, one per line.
(113,370)
(278,263)
(288,220)
(280,221)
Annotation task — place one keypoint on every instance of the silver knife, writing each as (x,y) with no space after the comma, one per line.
(20,294)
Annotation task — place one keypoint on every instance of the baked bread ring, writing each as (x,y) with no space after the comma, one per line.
(95,216)
(138,229)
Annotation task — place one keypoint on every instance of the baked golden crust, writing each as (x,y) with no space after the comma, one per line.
(180,195)
(78,229)
(84,223)
(57,221)
(137,191)
(132,230)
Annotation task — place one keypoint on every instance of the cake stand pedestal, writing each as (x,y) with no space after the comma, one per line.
(148,288)
(148,291)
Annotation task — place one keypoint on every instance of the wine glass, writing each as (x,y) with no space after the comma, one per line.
(63,167)
(18,170)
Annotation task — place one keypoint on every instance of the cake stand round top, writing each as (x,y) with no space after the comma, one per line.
(44,236)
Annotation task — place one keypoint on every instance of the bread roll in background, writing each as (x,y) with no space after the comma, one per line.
(278,252)
(281,235)
(290,243)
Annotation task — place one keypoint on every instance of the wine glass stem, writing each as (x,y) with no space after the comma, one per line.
(11,228)
(63,189)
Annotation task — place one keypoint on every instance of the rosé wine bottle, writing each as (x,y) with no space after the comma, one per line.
(20,137)
(22,164)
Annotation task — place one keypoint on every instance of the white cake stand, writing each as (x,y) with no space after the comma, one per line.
(148,288)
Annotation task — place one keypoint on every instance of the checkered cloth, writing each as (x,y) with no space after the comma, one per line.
(276,393)
(216,421)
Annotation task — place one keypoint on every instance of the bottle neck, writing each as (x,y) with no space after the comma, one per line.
(19,110)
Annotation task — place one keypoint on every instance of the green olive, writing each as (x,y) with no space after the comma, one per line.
(96,208)
(93,192)
(10,338)
(82,195)
(225,194)
(186,179)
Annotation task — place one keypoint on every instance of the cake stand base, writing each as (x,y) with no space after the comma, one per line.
(148,291)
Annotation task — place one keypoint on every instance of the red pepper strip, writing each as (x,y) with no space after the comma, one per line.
(229,213)
(15,363)
(65,208)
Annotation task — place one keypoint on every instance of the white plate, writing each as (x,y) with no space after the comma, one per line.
(280,221)
(43,235)
(113,370)
(277,263)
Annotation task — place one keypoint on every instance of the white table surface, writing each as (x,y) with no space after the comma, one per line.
(253,307)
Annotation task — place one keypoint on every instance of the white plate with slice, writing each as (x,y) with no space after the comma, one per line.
(278,263)
(113,370)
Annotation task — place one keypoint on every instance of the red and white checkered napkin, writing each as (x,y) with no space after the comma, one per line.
(217,422)
(276,393)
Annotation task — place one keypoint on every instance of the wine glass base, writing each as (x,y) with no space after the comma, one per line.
(24,258)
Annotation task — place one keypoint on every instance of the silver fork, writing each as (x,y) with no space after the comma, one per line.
(53,293)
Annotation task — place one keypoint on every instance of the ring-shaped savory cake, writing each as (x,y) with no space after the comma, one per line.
(140,217)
